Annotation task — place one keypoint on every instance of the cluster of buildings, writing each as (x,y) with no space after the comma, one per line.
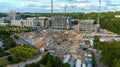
(28,22)
(41,43)
(78,62)
(89,59)
(55,22)
(16,20)
(3,22)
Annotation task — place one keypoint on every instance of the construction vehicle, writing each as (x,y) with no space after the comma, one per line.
(111,33)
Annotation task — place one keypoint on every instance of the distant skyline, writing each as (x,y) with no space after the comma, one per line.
(43,6)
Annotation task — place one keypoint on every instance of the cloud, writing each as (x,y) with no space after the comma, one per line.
(72,5)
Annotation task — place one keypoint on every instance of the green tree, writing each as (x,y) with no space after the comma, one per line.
(16,37)
(110,52)
(117,63)
(16,59)
(48,64)
(96,39)
(10,58)
(66,65)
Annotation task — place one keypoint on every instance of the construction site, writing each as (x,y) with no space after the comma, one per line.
(58,42)
(69,43)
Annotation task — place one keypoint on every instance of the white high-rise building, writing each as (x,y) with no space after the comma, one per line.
(13,15)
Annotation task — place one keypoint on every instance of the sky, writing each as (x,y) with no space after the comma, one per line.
(43,6)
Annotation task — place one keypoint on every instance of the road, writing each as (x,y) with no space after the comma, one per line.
(97,58)
(29,61)
(74,46)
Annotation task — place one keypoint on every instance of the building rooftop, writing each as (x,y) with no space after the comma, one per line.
(39,44)
(87,21)
(60,17)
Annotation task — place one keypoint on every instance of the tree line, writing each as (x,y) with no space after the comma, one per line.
(13,29)
(49,60)
(25,52)
(110,52)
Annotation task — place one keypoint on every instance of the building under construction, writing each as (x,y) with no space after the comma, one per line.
(61,22)
(45,21)
(87,26)
(13,15)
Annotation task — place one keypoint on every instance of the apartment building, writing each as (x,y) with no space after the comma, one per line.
(45,21)
(61,22)
(87,26)
(29,22)
(13,15)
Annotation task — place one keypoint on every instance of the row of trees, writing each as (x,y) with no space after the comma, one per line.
(2,53)
(49,61)
(25,52)
(110,52)
(73,15)
(21,53)
(8,42)
(14,29)
(3,15)
(110,22)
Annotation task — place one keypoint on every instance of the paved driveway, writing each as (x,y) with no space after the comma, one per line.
(22,64)
(97,58)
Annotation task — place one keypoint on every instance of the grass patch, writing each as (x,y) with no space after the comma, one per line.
(4,61)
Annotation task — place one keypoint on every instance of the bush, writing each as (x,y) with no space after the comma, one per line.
(16,37)
(10,58)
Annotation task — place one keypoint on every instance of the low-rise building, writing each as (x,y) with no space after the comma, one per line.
(68,59)
(78,63)
(89,65)
(84,65)
(40,45)
(88,58)
(88,54)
